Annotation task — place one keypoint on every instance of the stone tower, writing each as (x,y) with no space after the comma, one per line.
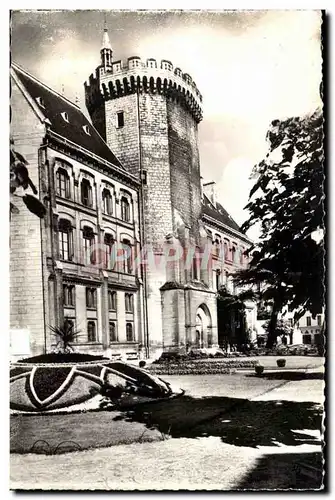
(148,113)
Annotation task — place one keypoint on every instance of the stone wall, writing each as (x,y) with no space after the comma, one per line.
(26,278)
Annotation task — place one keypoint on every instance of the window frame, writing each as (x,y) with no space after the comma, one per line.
(308,321)
(125,209)
(131,325)
(127,267)
(88,235)
(65,228)
(112,322)
(107,201)
(62,176)
(112,300)
(89,198)
(92,323)
(120,119)
(109,249)
(68,292)
(91,298)
(129,303)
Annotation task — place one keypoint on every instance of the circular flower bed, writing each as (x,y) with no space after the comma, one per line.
(36,386)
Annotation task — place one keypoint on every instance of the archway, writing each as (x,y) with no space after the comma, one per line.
(203,327)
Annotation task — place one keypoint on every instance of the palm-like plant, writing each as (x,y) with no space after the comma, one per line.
(66,335)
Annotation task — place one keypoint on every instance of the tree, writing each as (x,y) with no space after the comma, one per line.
(231,316)
(66,335)
(19,177)
(286,202)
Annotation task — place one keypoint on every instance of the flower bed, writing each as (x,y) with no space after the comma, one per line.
(44,387)
(200,367)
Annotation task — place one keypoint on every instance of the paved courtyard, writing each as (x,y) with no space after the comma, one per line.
(227,432)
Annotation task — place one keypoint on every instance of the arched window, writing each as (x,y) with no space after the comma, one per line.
(129,332)
(233,254)
(65,239)
(126,257)
(110,251)
(217,279)
(63,183)
(125,209)
(88,245)
(86,193)
(112,300)
(107,202)
(129,302)
(91,331)
(217,246)
(226,250)
(112,332)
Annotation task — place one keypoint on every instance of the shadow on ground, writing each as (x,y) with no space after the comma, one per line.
(286,375)
(298,471)
(238,422)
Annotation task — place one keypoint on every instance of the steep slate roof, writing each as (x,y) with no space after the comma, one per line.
(53,105)
(219,214)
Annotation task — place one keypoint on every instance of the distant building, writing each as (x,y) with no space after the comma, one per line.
(308,330)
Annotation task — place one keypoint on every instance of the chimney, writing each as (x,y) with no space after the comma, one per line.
(209,189)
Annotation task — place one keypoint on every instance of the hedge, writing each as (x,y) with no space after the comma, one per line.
(202,368)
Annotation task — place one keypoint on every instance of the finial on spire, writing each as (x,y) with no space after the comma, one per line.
(106,51)
(105,40)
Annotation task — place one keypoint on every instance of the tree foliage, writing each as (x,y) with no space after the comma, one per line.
(66,336)
(286,202)
(231,315)
(19,177)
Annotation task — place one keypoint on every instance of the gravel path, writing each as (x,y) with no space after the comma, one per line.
(201,463)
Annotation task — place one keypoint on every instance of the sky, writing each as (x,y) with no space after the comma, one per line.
(251,67)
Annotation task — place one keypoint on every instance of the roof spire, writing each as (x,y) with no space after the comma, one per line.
(105,40)
(106,51)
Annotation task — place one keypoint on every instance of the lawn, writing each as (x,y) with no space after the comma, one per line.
(196,413)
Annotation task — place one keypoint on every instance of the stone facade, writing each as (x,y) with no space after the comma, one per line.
(48,285)
(184,245)
(152,111)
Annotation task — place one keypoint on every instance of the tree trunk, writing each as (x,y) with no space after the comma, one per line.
(272,336)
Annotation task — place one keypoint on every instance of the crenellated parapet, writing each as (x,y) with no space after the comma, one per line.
(150,76)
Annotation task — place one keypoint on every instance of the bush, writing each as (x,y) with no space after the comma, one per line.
(72,357)
(259,369)
(199,367)
(281,363)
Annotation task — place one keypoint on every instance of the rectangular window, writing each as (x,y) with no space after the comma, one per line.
(129,302)
(111,300)
(86,193)
(91,331)
(308,321)
(319,318)
(130,332)
(126,256)
(120,119)
(68,295)
(88,246)
(112,331)
(91,298)
(63,183)
(65,240)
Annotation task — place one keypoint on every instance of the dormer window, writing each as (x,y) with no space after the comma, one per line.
(86,129)
(65,117)
(40,102)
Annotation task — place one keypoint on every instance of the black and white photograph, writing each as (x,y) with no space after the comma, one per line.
(167,262)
